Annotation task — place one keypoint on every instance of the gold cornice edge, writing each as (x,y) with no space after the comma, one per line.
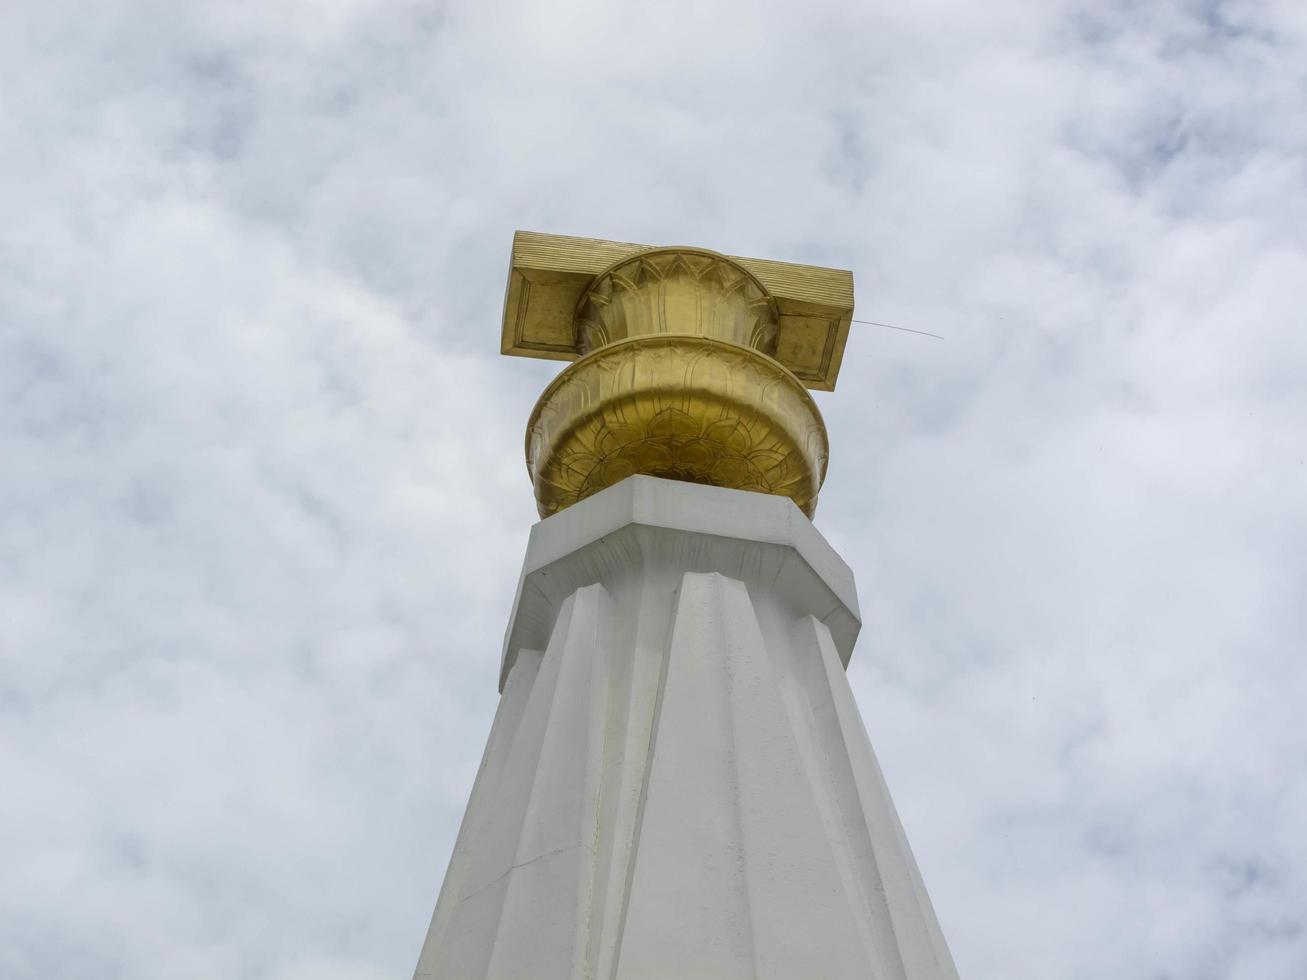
(549,273)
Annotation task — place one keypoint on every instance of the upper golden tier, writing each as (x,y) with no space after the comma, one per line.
(692,365)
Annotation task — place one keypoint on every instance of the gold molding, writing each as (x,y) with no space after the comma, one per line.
(549,273)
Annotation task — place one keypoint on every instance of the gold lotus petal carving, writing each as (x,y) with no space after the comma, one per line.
(692,408)
(688,291)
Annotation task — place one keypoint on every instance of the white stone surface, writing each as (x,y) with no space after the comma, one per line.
(678,783)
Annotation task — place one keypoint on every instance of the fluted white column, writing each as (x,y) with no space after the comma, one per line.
(678,783)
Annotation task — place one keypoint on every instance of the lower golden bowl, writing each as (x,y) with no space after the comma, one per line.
(682,407)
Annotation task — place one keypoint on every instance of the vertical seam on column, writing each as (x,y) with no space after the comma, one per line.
(600,667)
(556,641)
(644,779)
(726,648)
(842,827)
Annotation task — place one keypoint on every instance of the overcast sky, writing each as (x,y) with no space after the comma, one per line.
(263,501)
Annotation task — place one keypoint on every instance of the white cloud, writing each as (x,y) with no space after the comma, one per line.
(262,500)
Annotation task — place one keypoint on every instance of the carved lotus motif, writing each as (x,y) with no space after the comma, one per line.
(687,291)
(685,408)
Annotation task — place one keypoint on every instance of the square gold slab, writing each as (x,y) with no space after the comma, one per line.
(550,272)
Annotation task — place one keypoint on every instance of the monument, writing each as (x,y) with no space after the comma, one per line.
(678,783)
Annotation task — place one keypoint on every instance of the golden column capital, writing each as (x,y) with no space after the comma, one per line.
(688,366)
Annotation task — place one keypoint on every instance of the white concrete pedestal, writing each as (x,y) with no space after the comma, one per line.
(678,783)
